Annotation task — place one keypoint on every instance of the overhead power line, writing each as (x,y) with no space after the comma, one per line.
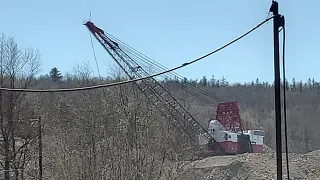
(193,89)
(284,100)
(158,68)
(142,78)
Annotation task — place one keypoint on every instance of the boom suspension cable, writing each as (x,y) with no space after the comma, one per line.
(142,78)
(146,59)
(158,67)
(174,75)
(196,94)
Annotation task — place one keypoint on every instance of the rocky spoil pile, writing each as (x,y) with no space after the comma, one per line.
(246,166)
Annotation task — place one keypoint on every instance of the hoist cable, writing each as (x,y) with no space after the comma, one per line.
(146,59)
(138,64)
(199,90)
(170,74)
(94,52)
(142,78)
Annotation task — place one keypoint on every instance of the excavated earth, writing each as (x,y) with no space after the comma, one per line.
(246,167)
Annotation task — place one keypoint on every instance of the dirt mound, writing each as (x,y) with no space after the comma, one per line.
(315,152)
(267,149)
(245,166)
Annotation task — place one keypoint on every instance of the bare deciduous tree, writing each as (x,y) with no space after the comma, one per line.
(17,69)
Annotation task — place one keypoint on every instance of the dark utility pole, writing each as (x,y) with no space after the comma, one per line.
(40,147)
(277,23)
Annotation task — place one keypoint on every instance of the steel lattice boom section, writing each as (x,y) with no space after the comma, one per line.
(151,88)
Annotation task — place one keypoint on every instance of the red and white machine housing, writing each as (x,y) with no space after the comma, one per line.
(228,132)
(230,140)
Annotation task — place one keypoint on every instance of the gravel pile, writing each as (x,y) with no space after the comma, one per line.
(245,166)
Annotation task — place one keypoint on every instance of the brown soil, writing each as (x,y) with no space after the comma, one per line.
(245,167)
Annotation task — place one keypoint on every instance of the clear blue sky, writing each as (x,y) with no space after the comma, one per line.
(170,32)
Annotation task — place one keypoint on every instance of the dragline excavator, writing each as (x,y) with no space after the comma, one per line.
(225,134)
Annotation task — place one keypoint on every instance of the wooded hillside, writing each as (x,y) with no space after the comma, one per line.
(115,132)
